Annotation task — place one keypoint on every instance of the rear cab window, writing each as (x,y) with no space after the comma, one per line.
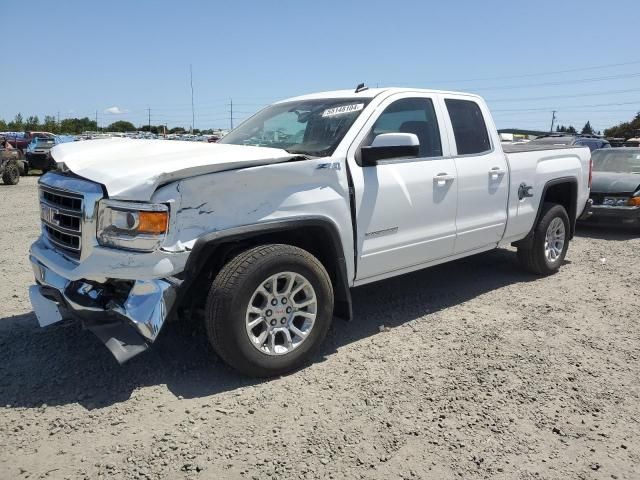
(469,127)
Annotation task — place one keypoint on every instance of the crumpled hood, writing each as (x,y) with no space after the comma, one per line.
(611,182)
(133,169)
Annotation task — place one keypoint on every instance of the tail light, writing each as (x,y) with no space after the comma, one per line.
(590,172)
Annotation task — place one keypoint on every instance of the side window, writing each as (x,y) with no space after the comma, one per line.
(411,115)
(469,128)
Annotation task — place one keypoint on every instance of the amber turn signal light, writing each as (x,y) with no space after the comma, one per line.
(634,202)
(153,222)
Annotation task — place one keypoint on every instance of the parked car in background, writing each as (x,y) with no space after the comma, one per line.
(591,141)
(22,141)
(39,151)
(9,166)
(39,154)
(615,188)
(9,154)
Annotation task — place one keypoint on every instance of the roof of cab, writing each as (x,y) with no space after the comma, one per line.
(368,93)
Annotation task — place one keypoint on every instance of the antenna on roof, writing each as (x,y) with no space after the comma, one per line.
(361,88)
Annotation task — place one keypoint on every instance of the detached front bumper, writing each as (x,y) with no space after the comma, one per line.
(126,316)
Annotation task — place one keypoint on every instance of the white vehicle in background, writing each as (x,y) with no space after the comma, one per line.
(267,230)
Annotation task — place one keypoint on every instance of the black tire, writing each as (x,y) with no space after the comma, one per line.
(11,174)
(533,257)
(231,293)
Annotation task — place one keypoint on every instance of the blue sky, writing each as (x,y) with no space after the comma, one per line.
(81,56)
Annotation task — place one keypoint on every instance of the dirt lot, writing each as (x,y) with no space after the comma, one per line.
(481,371)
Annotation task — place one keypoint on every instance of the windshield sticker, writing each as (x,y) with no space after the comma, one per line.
(331,112)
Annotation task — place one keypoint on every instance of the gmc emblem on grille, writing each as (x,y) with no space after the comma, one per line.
(49,215)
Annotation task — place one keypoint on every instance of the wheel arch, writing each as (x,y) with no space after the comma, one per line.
(318,235)
(562,191)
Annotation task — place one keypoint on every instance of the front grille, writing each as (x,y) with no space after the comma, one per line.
(65,201)
(61,214)
(597,198)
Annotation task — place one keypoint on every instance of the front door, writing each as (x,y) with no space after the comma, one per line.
(405,208)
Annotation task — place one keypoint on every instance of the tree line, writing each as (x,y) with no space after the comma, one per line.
(75,126)
(586,130)
(49,124)
(625,130)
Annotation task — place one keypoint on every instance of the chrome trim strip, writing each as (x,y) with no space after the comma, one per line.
(66,211)
(65,246)
(60,192)
(61,229)
(69,184)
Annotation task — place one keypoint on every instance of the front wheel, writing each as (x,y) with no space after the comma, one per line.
(269,309)
(11,175)
(546,252)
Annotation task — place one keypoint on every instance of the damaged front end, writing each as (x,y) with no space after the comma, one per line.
(122,296)
(126,316)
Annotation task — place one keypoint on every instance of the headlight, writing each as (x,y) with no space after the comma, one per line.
(133,226)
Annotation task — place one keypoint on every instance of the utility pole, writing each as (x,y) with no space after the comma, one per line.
(553,120)
(97,129)
(231,114)
(149,110)
(193,115)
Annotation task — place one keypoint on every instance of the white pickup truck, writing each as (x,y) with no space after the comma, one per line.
(268,230)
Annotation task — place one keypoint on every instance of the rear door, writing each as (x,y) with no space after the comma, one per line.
(405,207)
(483,180)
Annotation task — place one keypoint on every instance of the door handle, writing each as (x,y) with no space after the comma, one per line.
(496,172)
(442,178)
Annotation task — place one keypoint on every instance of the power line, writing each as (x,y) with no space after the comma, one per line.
(579,95)
(636,102)
(565,82)
(524,75)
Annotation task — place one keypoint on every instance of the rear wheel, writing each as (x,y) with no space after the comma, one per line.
(546,252)
(11,174)
(269,309)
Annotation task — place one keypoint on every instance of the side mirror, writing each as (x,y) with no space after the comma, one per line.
(390,145)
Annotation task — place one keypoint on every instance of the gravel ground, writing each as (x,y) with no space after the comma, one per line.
(468,370)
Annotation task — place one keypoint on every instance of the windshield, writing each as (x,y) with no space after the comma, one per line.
(309,127)
(623,160)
